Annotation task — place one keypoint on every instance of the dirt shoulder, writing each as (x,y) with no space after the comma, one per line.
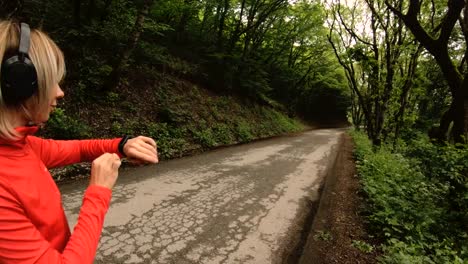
(338,230)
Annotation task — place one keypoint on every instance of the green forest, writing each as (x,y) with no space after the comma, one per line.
(183,71)
(200,74)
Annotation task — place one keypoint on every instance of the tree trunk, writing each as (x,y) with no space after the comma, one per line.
(236,33)
(460,116)
(114,77)
(91,13)
(44,11)
(222,18)
(441,132)
(459,120)
(184,19)
(105,12)
(246,46)
(405,91)
(77,13)
(207,11)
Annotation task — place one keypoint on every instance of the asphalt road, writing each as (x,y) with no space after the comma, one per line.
(240,204)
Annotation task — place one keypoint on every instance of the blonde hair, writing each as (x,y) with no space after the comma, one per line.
(50,68)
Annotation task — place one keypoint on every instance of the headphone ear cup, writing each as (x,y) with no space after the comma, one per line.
(19,80)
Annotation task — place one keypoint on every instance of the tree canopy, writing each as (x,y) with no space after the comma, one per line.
(268,50)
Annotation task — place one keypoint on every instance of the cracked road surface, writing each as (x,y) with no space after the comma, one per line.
(239,204)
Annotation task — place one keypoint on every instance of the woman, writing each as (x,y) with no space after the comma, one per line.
(33,226)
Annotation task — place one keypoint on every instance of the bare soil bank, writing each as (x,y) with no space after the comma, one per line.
(337,224)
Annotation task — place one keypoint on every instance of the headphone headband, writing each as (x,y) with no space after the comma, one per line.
(25,33)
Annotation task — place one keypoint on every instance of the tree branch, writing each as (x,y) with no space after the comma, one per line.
(454,9)
(350,31)
(350,75)
(377,15)
(411,21)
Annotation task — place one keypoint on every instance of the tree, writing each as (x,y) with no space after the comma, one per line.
(437,40)
(371,48)
(269,50)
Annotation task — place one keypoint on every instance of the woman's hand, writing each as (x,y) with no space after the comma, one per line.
(141,150)
(105,170)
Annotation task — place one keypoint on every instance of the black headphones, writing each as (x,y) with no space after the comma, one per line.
(18,74)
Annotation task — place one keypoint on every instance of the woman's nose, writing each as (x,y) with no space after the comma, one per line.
(60,93)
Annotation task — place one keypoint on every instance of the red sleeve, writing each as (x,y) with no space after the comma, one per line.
(21,242)
(56,153)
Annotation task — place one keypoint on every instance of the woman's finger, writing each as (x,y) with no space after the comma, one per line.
(148,140)
(143,154)
(148,147)
(144,148)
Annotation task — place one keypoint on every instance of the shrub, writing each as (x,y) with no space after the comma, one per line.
(411,197)
(123,128)
(363,145)
(205,137)
(62,126)
(223,134)
(446,165)
(362,246)
(244,132)
(171,140)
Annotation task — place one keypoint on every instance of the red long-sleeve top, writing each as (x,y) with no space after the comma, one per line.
(33,225)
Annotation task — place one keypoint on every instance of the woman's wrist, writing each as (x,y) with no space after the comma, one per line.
(122,143)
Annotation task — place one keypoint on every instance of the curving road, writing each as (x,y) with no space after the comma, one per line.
(240,204)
